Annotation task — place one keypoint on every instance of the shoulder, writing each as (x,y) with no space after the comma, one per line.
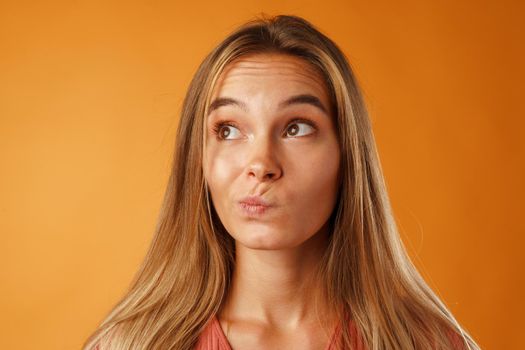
(356,338)
(358,342)
(212,337)
(456,340)
(102,341)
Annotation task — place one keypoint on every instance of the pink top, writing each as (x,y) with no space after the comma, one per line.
(213,338)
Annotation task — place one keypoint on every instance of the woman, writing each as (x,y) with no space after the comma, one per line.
(276,230)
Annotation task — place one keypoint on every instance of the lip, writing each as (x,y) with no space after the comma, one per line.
(254,206)
(255,200)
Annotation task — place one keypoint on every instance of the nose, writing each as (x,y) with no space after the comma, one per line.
(263,164)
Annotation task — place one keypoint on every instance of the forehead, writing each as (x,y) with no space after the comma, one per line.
(279,73)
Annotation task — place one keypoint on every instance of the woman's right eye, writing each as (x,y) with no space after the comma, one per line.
(223,130)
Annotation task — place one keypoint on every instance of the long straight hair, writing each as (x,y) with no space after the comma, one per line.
(366,272)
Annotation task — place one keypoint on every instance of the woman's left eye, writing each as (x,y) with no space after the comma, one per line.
(295,128)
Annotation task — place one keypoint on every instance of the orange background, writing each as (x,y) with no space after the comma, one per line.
(89,102)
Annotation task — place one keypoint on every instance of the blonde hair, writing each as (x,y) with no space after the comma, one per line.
(366,271)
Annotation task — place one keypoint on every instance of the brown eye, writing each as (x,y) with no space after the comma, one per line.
(294,129)
(223,130)
(299,127)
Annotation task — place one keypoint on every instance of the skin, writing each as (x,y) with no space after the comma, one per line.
(296,167)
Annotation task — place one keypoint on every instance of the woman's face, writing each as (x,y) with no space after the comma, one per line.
(256,147)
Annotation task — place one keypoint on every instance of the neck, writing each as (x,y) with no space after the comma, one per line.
(276,287)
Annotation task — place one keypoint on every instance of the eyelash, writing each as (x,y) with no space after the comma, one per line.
(218,125)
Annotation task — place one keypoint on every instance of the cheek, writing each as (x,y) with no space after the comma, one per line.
(319,169)
(220,170)
(322,184)
(317,188)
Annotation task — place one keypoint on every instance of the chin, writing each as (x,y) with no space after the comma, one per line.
(264,240)
(262,245)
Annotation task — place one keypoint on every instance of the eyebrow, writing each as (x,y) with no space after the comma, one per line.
(297,99)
